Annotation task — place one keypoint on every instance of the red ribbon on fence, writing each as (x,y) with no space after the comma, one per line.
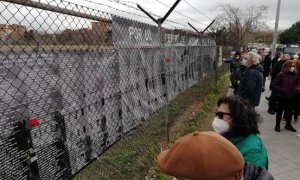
(34,122)
(168,59)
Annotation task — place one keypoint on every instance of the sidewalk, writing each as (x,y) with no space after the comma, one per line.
(283,147)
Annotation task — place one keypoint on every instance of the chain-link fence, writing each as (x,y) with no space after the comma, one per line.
(78,85)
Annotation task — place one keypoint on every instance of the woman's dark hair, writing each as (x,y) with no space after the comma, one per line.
(245,119)
(278,53)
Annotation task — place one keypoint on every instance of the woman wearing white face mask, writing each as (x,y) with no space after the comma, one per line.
(286,87)
(236,121)
(252,80)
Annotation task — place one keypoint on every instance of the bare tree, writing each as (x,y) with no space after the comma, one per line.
(241,22)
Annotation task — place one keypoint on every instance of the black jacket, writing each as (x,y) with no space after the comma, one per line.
(277,69)
(274,62)
(267,65)
(251,172)
(251,84)
(237,76)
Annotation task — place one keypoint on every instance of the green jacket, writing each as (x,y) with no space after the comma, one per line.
(252,148)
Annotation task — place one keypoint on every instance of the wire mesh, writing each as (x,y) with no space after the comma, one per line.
(77,85)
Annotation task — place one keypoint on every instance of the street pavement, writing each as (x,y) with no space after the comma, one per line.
(283,147)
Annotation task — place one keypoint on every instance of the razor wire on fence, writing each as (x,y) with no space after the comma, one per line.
(74,82)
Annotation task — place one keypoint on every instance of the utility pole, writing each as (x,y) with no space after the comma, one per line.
(276,29)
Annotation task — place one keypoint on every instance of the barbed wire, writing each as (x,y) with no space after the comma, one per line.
(123,3)
(108,6)
(197,10)
(179,12)
(133,7)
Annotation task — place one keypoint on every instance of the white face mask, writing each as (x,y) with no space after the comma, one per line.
(244,62)
(220,126)
(292,69)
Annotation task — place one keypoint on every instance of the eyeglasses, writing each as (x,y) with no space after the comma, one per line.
(220,114)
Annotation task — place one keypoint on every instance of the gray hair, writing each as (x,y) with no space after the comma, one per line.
(295,56)
(254,57)
(285,56)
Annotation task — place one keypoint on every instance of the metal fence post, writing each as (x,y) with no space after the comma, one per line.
(159,22)
(167,75)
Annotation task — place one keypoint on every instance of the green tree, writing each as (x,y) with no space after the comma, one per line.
(291,35)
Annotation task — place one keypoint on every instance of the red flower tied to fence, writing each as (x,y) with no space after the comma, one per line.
(34,122)
(168,59)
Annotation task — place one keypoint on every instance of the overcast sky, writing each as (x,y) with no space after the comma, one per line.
(197,12)
(289,11)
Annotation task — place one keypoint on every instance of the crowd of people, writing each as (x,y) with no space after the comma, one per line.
(248,77)
(235,150)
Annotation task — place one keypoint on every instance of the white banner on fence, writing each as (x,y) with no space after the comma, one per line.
(128,32)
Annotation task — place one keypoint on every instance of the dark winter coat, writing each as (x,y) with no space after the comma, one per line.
(285,85)
(251,84)
(238,74)
(233,64)
(274,62)
(277,68)
(267,65)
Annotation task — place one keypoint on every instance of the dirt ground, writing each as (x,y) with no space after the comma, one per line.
(188,115)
